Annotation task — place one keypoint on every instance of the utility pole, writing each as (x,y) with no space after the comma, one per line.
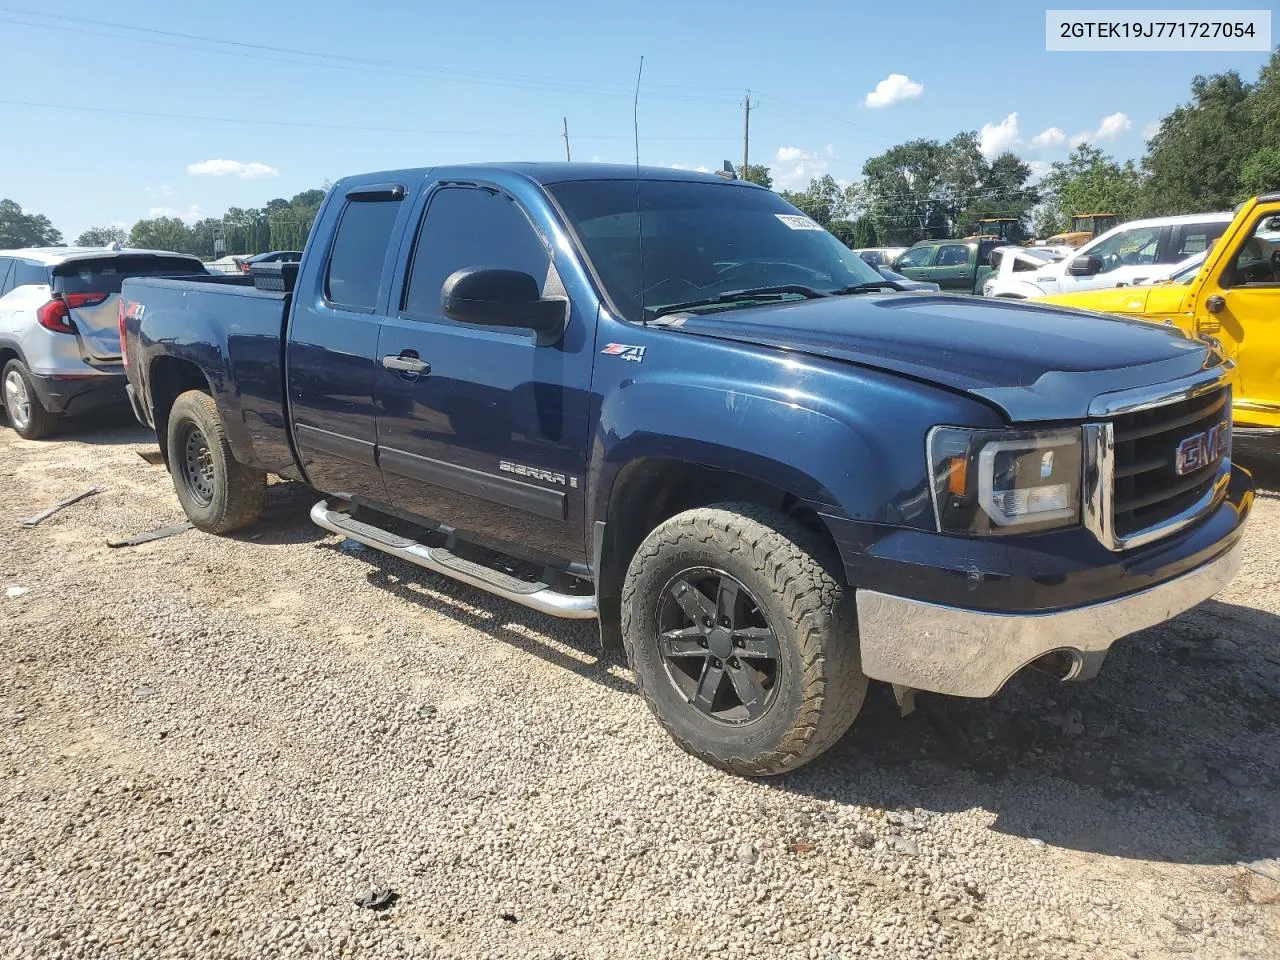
(566,137)
(746,135)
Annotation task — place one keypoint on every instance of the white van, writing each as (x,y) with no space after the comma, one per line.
(1131,253)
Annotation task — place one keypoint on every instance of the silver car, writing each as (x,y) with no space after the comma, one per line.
(59,328)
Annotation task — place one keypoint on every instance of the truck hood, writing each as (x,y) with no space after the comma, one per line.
(1034,362)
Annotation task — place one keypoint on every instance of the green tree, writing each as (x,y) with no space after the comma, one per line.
(1261,172)
(20,229)
(864,233)
(1088,181)
(843,230)
(1193,164)
(162,233)
(823,200)
(101,236)
(1004,192)
(755,173)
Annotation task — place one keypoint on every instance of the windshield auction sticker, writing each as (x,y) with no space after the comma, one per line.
(1157,30)
(797,222)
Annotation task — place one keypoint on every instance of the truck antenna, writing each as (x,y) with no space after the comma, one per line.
(635,118)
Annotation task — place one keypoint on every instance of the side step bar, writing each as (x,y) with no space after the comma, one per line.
(536,596)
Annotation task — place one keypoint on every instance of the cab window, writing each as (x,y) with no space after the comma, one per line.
(953,255)
(1131,248)
(916,257)
(1257,263)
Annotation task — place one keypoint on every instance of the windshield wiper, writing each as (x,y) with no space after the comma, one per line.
(745,295)
(869,287)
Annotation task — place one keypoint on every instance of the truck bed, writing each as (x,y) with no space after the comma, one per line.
(236,331)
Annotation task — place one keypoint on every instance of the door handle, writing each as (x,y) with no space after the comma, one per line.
(406,364)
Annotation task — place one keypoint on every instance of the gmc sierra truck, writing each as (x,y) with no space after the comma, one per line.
(674,403)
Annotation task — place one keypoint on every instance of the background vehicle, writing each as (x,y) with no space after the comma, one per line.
(492,373)
(275,256)
(59,338)
(1007,262)
(1130,253)
(881,256)
(906,283)
(1084,227)
(1008,229)
(956,265)
(1229,294)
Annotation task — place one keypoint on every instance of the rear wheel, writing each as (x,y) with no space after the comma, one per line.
(218,493)
(742,639)
(22,405)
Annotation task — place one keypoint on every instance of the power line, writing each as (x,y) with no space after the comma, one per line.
(343,61)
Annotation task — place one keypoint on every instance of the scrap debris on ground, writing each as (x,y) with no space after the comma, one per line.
(214,747)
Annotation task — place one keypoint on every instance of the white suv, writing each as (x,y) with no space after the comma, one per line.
(1131,253)
(59,329)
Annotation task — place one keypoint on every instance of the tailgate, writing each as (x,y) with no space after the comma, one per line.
(91,290)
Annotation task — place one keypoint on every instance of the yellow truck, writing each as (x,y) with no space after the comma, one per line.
(1233,299)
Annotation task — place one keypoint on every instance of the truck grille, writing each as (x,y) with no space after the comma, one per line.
(1148,487)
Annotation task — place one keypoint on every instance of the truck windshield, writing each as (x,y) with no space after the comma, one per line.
(701,241)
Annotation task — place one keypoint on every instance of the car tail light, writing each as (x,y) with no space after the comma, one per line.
(55,315)
(120,317)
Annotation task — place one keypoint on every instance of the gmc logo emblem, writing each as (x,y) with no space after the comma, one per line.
(1201,449)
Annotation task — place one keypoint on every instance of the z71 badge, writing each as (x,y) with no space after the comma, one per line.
(625,351)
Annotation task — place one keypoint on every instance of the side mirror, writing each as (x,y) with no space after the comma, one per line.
(503,298)
(1084,267)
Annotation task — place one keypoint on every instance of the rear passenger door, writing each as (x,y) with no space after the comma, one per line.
(331,358)
(490,435)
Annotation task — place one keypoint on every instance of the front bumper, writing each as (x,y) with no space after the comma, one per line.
(973,653)
(73,395)
(978,611)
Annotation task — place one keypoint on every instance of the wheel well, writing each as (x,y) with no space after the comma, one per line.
(647,492)
(7,354)
(169,378)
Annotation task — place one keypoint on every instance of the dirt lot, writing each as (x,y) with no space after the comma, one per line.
(210,747)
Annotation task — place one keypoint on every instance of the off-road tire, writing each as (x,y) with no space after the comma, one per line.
(791,573)
(40,423)
(235,493)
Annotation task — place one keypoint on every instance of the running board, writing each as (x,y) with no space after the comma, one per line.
(536,596)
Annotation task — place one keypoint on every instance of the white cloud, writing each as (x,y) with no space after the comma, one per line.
(1039,169)
(1053,137)
(995,138)
(1111,127)
(830,150)
(698,169)
(1151,129)
(794,167)
(225,168)
(894,88)
(190,215)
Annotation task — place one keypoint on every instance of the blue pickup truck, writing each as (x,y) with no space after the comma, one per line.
(672,402)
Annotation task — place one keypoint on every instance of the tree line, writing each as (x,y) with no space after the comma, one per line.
(1220,147)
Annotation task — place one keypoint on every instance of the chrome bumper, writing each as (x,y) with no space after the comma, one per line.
(973,653)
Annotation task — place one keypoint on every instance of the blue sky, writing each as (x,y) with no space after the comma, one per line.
(411,84)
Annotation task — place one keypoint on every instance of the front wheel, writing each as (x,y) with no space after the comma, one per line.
(742,639)
(218,493)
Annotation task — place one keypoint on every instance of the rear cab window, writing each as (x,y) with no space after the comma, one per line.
(353,275)
(106,274)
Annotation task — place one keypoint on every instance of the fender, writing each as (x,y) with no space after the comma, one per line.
(812,427)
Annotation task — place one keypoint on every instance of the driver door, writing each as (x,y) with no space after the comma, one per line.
(1240,308)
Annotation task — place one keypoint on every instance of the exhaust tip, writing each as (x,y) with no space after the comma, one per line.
(1060,664)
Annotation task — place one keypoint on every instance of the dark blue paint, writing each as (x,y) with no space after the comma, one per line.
(829,400)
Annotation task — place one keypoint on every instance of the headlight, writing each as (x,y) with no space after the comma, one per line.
(994,482)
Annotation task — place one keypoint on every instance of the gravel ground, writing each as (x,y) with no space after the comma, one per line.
(211,747)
